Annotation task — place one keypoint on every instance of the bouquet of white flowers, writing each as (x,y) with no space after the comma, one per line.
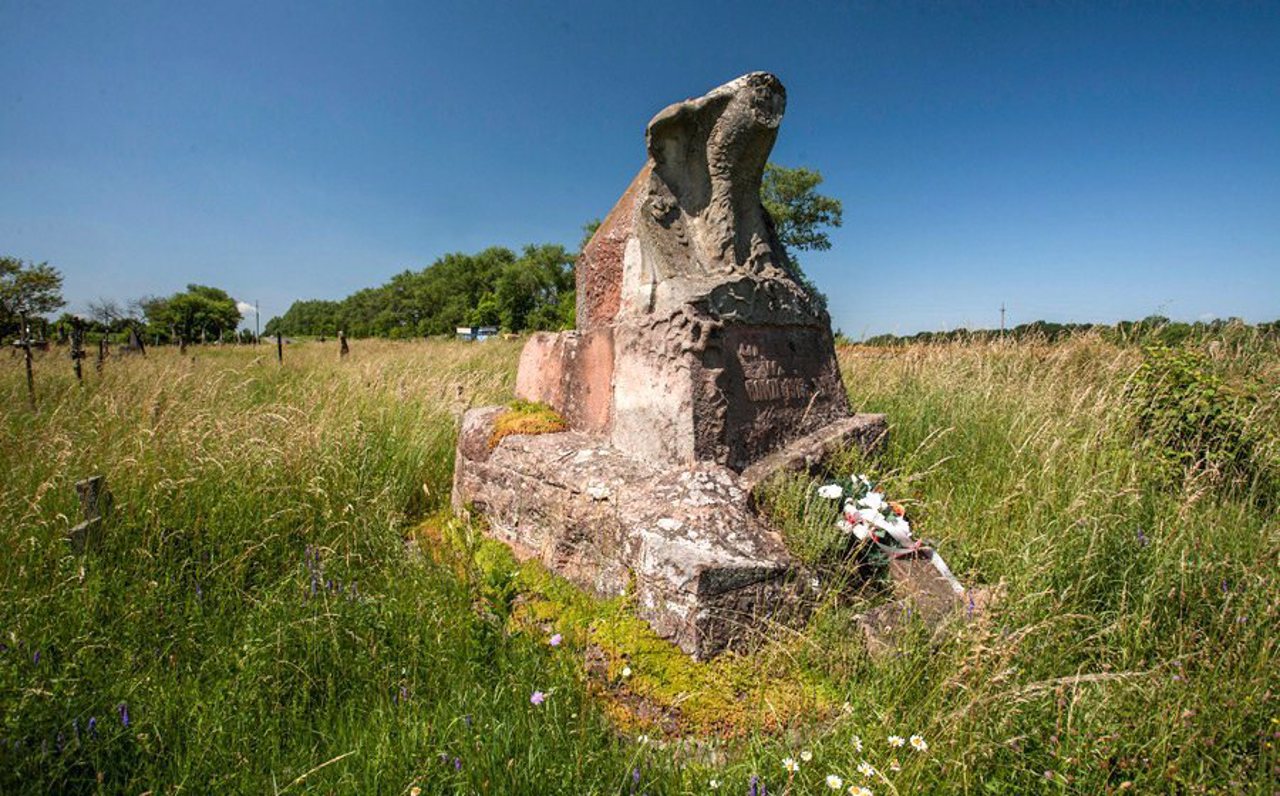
(871,517)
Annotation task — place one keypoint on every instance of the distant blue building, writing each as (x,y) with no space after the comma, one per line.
(476,333)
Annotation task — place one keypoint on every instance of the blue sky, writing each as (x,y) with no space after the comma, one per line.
(1084,163)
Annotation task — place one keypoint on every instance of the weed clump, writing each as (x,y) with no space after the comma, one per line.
(526,417)
(1188,419)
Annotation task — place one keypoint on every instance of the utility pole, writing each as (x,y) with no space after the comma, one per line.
(256,316)
(1002,320)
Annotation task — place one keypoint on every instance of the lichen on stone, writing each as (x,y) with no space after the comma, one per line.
(526,417)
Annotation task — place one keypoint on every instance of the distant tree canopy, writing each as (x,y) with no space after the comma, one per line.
(197,313)
(1151,330)
(27,290)
(494,287)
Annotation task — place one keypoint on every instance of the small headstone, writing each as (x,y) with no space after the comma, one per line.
(95,505)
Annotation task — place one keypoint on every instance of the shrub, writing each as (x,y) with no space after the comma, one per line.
(1189,420)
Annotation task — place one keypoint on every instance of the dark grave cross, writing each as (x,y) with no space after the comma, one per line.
(77,350)
(25,343)
(102,352)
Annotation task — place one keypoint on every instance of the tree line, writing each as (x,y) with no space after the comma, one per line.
(1151,330)
(533,290)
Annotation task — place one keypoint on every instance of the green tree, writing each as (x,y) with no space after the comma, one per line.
(27,290)
(530,290)
(199,312)
(799,212)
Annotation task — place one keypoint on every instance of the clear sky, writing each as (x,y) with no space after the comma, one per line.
(1077,163)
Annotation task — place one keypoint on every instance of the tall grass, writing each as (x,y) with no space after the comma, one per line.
(254,610)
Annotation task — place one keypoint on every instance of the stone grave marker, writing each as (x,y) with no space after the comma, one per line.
(701,364)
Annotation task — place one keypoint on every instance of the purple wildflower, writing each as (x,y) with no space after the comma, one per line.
(538,698)
(467,719)
(555,640)
(93,726)
(1225,587)
(36,658)
(123,710)
(1142,538)
(970,605)
(457,764)
(635,775)
(754,788)
(199,591)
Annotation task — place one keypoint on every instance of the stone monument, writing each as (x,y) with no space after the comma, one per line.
(700,365)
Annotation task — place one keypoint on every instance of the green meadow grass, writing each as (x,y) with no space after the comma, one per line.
(256,612)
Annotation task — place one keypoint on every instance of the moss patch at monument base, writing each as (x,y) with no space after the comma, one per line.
(648,684)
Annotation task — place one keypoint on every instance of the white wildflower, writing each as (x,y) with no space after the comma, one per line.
(806,755)
(790,765)
(626,672)
(866,769)
(858,790)
(918,743)
(834,782)
(896,741)
(831,491)
(857,743)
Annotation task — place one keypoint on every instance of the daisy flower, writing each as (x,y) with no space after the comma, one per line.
(806,755)
(896,741)
(858,790)
(626,672)
(918,744)
(857,743)
(866,769)
(834,782)
(790,765)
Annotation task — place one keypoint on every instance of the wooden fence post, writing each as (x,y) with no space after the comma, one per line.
(342,343)
(280,348)
(102,352)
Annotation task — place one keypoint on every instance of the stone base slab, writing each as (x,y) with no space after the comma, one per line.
(703,569)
